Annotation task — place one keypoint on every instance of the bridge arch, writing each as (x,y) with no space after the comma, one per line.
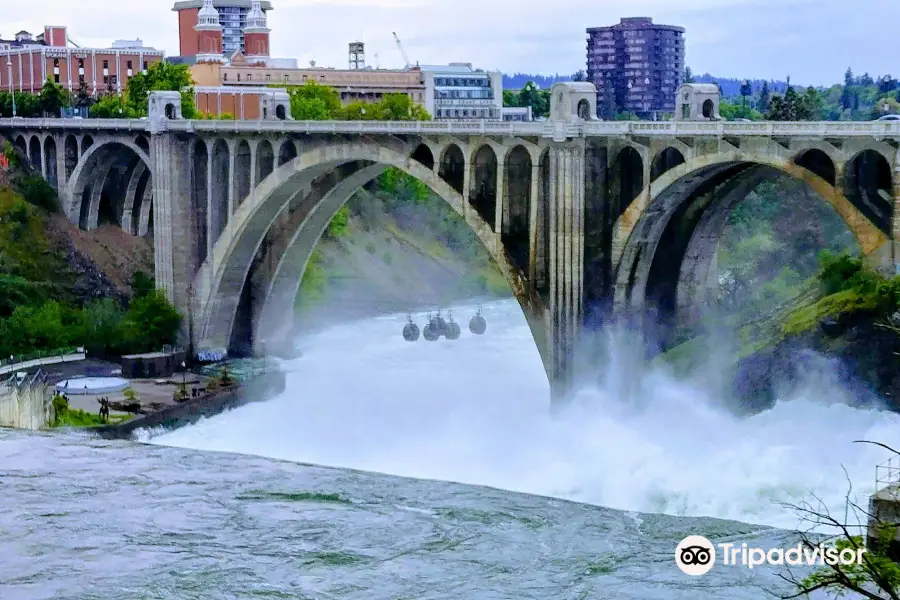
(242,166)
(70,148)
(666,248)
(265,160)
(667,159)
(326,176)
(868,183)
(629,180)
(516,218)
(424,155)
(483,177)
(452,167)
(50,162)
(287,152)
(90,182)
(818,161)
(34,152)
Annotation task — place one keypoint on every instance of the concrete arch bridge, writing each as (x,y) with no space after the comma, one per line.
(582,216)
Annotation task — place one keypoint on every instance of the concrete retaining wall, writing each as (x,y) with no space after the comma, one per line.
(26,407)
(50,360)
(263,387)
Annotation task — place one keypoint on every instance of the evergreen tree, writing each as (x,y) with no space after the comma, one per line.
(610,108)
(765,97)
(688,75)
(746,91)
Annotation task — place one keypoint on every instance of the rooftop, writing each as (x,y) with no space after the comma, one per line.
(188,4)
(637,23)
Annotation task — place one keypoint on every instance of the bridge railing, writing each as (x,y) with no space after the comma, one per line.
(535,128)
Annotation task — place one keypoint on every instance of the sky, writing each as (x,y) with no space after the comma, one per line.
(813,41)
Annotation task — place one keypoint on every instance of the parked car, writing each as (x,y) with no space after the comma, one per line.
(889,118)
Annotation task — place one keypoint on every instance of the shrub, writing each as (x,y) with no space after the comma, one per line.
(38,192)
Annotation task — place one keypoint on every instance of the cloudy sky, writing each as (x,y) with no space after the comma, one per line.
(813,41)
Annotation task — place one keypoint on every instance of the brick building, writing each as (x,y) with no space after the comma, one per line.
(353,85)
(636,65)
(30,60)
(238,20)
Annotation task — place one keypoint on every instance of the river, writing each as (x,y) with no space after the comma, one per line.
(363,481)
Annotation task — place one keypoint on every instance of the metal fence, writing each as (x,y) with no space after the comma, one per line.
(25,401)
(887,477)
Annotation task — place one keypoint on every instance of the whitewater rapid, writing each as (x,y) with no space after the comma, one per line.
(476,411)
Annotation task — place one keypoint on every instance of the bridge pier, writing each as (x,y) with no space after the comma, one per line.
(566,206)
(172,218)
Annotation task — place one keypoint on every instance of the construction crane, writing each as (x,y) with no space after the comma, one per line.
(402,51)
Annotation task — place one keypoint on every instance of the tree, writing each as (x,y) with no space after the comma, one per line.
(160,77)
(688,75)
(314,102)
(53,98)
(886,84)
(610,108)
(746,91)
(101,331)
(142,284)
(150,323)
(112,106)
(399,107)
(538,99)
(83,98)
(809,106)
(579,76)
(877,577)
(765,98)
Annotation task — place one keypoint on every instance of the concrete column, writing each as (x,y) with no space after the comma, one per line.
(97,190)
(253,166)
(895,217)
(467,184)
(131,197)
(566,205)
(61,179)
(533,199)
(232,160)
(502,200)
(171,164)
(210,233)
(43,157)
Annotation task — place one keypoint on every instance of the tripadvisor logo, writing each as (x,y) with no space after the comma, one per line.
(696,555)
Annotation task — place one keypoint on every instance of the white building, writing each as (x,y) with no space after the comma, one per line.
(457,91)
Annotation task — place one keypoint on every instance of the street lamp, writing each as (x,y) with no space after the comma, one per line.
(183,379)
(12,90)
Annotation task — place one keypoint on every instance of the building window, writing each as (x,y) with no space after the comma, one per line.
(105,64)
(128,65)
(145,66)
(239,76)
(56,78)
(224,76)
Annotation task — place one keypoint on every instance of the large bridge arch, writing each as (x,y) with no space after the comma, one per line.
(85,187)
(219,283)
(664,251)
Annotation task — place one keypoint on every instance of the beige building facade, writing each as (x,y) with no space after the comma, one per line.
(357,85)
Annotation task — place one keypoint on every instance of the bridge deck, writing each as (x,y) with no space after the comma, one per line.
(819,129)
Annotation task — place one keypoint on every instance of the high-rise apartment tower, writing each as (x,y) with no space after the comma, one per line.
(636,66)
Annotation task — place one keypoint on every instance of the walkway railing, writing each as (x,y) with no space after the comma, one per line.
(887,477)
(838,129)
(19,365)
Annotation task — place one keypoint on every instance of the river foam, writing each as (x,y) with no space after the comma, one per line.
(476,411)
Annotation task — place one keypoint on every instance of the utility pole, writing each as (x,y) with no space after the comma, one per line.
(12,90)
